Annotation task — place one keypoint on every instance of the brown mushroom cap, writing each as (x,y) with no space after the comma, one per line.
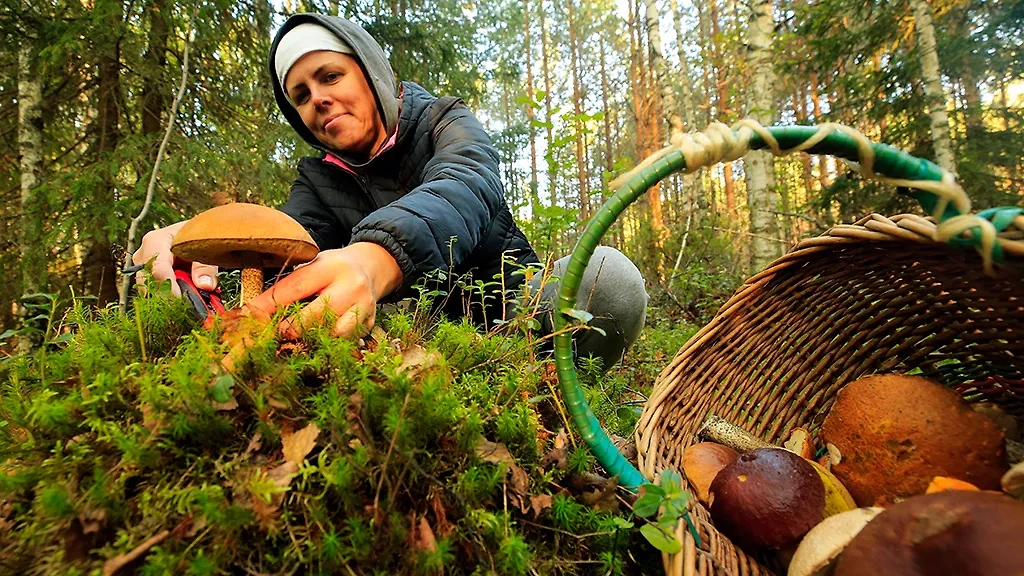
(897,432)
(768,498)
(702,462)
(227,235)
(957,532)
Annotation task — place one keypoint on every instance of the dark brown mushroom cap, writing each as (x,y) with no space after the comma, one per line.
(768,498)
(956,532)
(223,235)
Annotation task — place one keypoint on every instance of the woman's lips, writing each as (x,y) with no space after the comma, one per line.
(330,120)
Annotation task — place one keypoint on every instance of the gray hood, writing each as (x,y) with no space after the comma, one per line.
(369,54)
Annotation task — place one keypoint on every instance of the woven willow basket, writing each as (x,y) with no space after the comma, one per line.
(881,295)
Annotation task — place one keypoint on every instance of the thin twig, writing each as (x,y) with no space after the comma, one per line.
(133,229)
(114,564)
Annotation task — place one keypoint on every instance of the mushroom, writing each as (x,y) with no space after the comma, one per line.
(766,499)
(956,532)
(897,432)
(246,236)
(820,547)
(702,462)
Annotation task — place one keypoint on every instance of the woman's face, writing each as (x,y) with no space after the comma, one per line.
(331,94)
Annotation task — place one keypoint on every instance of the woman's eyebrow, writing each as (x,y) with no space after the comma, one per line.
(315,74)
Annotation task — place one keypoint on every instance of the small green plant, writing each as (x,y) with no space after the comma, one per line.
(667,500)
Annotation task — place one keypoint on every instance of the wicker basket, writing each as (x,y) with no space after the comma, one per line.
(877,296)
(897,294)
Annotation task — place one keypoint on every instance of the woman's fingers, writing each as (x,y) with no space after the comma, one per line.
(204,276)
(356,322)
(302,283)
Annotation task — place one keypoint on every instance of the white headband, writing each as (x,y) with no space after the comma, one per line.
(302,40)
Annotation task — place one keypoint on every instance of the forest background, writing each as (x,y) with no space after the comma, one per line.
(573,93)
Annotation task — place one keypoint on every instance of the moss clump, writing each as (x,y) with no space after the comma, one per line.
(130,446)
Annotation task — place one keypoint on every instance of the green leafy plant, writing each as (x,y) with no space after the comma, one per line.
(666,501)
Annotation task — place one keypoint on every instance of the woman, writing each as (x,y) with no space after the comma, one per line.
(405,184)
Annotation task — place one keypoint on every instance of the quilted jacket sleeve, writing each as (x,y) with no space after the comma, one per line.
(440,222)
(306,207)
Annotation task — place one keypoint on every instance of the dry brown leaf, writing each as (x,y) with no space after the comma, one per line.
(444,527)
(151,421)
(299,444)
(424,536)
(416,359)
(495,453)
(520,482)
(559,454)
(255,444)
(540,503)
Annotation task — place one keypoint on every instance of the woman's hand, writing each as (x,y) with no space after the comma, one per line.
(349,281)
(158,243)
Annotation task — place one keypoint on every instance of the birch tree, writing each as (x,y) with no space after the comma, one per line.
(934,93)
(30,149)
(760,170)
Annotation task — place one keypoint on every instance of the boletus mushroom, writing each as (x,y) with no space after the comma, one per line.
(702,462)
(817,552)
(767,499)
(956,532)
(896,433)
(246,236)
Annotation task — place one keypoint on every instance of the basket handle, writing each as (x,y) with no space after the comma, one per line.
(933,187)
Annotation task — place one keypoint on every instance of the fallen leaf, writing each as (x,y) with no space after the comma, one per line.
(255,444)
(443,526)
(491,452)
(225,406)
(520,482)
(299,444)
(559,454)
(540,503)
(598,492)
(423,538)
(150,419)
(417,359)
(282,477)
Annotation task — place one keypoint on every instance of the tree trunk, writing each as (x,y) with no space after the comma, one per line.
(577,106)
(30,149)
(722,105)
(545,68)
(154,88)
(934,93)
(99,271)
(823,175)
(534,194)
(609,160)
(760,170)
(660,69)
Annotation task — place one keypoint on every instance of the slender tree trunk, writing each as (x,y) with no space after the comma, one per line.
(723,107)
(934,93)
(534,194)
(154,89)
(660,69)
(99,271)
(545,68)
(823,175)
(609,160)
(760,169)
(577,106)
(30,149)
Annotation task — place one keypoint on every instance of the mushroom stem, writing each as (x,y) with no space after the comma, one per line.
(252,277)
(721,431)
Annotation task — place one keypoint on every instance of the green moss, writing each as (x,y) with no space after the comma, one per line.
(131,426)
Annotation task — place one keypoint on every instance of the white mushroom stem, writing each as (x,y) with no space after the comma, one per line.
(252,277)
